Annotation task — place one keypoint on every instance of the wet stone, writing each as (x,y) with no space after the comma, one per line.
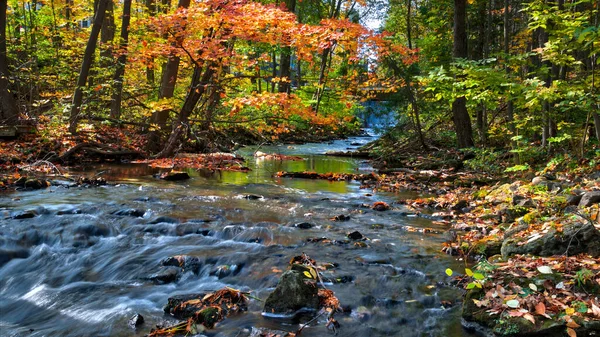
(36,184)
(136,320)
(293,293)
(69,211)
(175,301)
(253,196)
(24,215)
(166,275)
(226,270)
(6,255)
(356,235)
(163,219)
(130,212)
(174,176)
(304,225)
(187,263)
(341,217)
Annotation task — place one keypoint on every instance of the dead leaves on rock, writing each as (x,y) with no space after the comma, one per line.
(206,311)
(210,161)
(537,289)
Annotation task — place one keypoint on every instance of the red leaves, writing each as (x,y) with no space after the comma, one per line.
(213,161)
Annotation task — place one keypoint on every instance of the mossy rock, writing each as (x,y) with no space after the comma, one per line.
(574,239)
(487,247)
(293,293)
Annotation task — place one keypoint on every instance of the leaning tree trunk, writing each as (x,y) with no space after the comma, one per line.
(117,96)
(198,88)
(9,111)
(462,120)
(85,66)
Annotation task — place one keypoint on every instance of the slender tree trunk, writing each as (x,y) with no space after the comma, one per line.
(322,75)
(274,70)
(85,66)
(115,107)
(462,120)
(285,66)
(151,7)
(10,111)
(408,26)
(107,36)
(509,105)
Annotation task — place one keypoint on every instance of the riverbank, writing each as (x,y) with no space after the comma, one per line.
(533,237)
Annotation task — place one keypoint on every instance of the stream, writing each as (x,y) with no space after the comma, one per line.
(89,258)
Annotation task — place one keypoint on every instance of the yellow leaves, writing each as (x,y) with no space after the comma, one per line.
(569,311)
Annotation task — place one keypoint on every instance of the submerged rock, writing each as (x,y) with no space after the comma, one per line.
(293,293)
(7,255)
(226,270)
(130,212)
(24,215)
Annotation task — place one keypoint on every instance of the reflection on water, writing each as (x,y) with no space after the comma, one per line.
(89,258)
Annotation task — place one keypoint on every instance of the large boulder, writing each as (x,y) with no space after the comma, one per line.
(590,198)
(574,239)
(293,293)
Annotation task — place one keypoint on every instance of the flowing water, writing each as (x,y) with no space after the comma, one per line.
(88,258)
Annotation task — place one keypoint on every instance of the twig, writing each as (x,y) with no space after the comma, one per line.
(302,326)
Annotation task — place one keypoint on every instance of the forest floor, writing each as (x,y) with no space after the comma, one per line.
(531,237)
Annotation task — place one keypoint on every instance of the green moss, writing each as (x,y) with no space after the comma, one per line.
(530,217)
(481,194)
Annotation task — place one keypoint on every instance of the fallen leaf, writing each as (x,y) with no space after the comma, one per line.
(512,303)
(544,269)
(571,332)
(533,287)
(572,324)
(540,308)
(570,311)
(529,317)
(595,310)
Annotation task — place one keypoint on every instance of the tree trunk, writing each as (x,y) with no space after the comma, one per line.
(151,7)
(167,89)
(117,96)
(322,75)
(107,36)
(462,120)
(509,105)
(285,72)
(198,87)
(85,66)
(10,112)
